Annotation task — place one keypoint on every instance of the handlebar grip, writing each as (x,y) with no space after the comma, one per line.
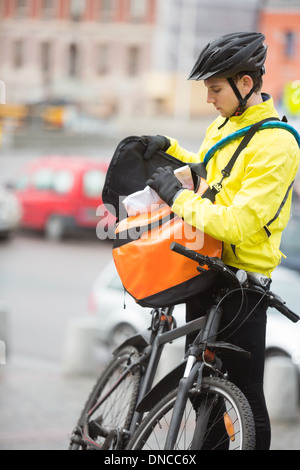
(288,313)
(278,303)
(182,250)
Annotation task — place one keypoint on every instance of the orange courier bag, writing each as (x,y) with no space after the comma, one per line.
(153,274)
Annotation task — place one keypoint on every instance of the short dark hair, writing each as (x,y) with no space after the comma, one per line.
(257,80)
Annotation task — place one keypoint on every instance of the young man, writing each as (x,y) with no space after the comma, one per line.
(257,191)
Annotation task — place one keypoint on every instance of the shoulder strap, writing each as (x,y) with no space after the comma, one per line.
(273,123)
(248,136)
(216,188)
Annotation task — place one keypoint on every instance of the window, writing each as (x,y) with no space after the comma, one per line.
(93,182)
(107,10)
(115,283)
(18,54)
(45,56)
(138,9)
(48,9)
(21,182)
(43,179)
(60,181)
(73,61)
(21,8)
(63,181)
(133,60)
(290,44)
(77,9)
(102,60)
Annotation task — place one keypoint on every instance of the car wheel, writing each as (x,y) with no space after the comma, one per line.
(121,332)
(55,228)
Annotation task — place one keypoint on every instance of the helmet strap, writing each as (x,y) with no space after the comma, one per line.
(242,101)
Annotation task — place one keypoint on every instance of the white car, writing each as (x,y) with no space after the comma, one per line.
(117,312)
(10,213)
(283,336)
(120,316)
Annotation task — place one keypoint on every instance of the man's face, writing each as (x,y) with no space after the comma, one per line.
(221,95)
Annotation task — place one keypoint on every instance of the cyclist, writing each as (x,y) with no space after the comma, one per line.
(256,193)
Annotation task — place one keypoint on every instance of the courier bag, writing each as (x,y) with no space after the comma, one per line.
(153,274)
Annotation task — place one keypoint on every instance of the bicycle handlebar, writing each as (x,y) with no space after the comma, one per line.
(202,260)
(216,263)
(276,302)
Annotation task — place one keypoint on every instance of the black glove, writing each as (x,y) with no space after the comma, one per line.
(154,143)
(165,183)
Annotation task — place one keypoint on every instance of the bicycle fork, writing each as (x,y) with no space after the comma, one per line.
(185,384)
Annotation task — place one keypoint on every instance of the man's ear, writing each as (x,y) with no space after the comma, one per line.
(247,83)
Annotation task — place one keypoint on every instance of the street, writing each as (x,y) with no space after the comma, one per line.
(43,285)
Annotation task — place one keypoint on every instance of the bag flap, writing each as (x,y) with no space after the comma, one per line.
(128,170)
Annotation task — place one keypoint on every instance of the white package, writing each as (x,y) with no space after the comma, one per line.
(146,199)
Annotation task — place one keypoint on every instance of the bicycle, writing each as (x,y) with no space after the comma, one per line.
(196,399)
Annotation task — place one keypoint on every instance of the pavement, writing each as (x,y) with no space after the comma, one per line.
(39,406)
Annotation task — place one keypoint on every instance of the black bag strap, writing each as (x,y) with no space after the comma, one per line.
(211,192)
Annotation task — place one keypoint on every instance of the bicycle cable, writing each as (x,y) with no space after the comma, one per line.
(246,318)
(240,289)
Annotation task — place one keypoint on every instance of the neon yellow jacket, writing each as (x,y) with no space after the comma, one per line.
(252,194)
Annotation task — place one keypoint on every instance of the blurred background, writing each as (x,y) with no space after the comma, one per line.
(76,77)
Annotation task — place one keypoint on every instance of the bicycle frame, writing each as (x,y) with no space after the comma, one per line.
(159,339)
(151,350)
(184,374)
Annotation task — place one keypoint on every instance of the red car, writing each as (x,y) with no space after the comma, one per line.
(60,194)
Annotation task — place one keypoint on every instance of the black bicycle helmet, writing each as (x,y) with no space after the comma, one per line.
(230,54)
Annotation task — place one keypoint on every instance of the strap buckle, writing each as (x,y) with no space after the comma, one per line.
(217,186)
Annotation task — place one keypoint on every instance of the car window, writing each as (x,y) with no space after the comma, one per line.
(63,181)
(21,182)
(115,283)
(93,182)
(43,179)
(46,179)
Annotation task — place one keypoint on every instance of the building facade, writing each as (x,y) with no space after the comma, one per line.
(133,57)
(86,51)
(279,20)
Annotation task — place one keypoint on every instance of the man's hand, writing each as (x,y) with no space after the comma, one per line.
(154,143)
(165,183)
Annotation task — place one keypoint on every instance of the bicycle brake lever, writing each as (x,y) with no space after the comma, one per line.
(201,270)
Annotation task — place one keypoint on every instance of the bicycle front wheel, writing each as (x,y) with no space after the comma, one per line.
(111,403)
(216,417)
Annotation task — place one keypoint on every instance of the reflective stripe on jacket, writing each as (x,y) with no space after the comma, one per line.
(251,196)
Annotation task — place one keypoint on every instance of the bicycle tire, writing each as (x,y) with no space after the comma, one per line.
(119,393)
(152,432)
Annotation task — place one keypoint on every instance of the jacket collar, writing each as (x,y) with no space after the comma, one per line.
(256,113)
